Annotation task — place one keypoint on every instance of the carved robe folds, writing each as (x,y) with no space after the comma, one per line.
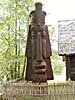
(38,49)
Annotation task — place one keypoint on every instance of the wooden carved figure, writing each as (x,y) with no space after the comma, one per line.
(38,49)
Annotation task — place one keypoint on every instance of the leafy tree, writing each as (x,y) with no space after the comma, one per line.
(57,63)
(14,20)
(56,60)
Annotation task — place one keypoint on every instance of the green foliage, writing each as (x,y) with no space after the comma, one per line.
(57,63)
(14,20)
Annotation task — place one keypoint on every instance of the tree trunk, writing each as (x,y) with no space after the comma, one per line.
(19,53)
(11,69)
(16,39)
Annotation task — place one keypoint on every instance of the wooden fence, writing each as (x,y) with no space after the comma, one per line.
(29,91)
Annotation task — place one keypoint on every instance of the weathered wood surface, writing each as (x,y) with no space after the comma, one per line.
(70,67)
(0,96)
(29,91)
(66,37)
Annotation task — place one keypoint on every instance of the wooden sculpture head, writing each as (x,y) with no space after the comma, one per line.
(38,36)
